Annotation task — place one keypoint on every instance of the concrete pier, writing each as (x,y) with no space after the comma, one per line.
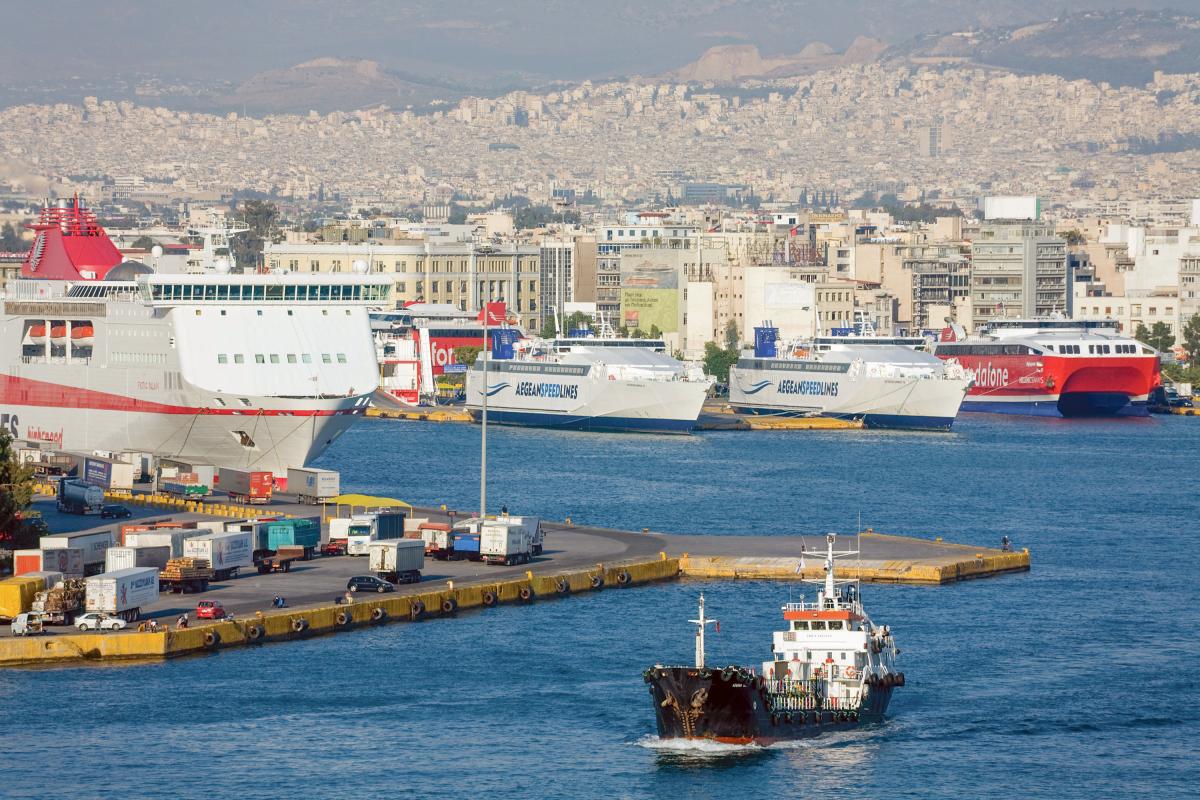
(577,559)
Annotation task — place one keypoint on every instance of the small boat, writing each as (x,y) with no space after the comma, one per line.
(82,335)
(37,333)
(58,334)
(831,669)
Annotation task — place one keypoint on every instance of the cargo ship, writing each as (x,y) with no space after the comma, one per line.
(884,381)
(831,669)
(252,371)
(579,385)
(1054,368)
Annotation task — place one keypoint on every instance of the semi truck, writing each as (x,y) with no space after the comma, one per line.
(67,560)
(107,473)
(122,593)
(397,560)
(92,544)
(313,486)
(244,486)
(438,540)
(375,527)
(60,602)
(79,497)
(226,552)
(505,542)
(537,536)
(117,558)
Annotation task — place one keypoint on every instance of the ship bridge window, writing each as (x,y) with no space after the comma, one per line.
(238,358)
(325,359)
(259,358)
(291,358)
(341,358)
(222,358)
(274,358)
(818,624)
(835,625)
(306,358)
(799,625)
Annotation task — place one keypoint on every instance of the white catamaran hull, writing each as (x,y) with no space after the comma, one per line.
(790,388)
(578,399)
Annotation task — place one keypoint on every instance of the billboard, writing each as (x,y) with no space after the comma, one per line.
(1012,207)
(647,308)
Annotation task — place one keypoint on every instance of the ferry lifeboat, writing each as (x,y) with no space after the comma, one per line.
(82,335)
(37,333)
(58,334)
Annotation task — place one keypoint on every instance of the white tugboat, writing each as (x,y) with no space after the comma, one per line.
(831,669)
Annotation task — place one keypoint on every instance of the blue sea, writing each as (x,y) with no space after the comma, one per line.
(1075,680)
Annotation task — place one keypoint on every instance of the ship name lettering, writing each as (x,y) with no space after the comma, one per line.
(569,391)
(987,376)
(814,388)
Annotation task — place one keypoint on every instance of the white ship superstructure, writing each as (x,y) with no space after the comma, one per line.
(257,371)
(887,382)
(581,386)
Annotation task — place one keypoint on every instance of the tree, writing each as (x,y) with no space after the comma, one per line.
(655,333)
(549,328)
(10,239)
(717,361)
(17,531)
(1190,337)
(1074,237)
(262,218)
(732,340)
(1159,336)
(577,320)
(142,243)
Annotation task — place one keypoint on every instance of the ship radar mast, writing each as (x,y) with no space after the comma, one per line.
(216,235)
(701,623)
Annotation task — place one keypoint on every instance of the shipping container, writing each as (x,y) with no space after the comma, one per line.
(374,527)
(465,544)
(226,552)
(412,527)
(172,468)
(16,595)
(313,485)
(93,544)
(304,532)
(67,560)
(144,556)
(170,539)
(49,578)
(505,543)
(244,486)
(107,473)
(397,560)
(122,593)
(184,490)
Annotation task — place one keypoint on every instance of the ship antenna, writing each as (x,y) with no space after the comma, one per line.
(701,623)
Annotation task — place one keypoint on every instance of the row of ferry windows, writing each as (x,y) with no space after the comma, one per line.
(274,358)
(237,291)
(817,625)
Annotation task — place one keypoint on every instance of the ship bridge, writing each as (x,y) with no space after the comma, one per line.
(290,288)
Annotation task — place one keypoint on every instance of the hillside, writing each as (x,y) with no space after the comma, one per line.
(1120,47)
(732,63)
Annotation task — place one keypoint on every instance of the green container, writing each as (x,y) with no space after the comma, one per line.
(293,533)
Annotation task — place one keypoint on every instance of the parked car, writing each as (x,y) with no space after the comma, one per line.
(369,583)
(210,609)
(96,621)
(115,512)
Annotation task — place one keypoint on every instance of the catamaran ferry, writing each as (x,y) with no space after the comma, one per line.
(578,385)
(1054,368)
(255,371)
(887,382)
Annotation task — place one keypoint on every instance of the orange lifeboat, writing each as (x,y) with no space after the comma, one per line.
(37,333)
(58,334)
(82,335)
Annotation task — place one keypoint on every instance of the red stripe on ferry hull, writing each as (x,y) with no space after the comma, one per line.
(28,392)
(1004,378)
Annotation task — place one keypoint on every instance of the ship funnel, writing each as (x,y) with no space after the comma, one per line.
(764,340)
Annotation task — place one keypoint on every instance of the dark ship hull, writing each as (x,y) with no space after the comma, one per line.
(735,706)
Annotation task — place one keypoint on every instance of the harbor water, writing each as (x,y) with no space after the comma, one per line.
(1075,680)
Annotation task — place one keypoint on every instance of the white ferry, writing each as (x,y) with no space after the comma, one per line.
(255,371)
(584,386)
(886,381)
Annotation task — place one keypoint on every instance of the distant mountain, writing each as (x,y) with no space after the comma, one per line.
(1120,47)
(733,63)
(330,84)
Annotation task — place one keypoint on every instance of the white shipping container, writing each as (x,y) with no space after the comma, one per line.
(397,555)
(171,538)
(228,550)
(504,541)
(122,591)
(413,524)
(92,544)
(313,484)
(143,556)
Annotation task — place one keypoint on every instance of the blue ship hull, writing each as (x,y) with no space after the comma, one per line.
(569,422)
(881,421)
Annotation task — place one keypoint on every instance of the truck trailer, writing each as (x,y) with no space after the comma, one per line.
(92,544)
(313,486)
(67,560)
(122,593)
(117,558)
(398,560)
(108,473)
(226,552)
(505,543)
(245,486)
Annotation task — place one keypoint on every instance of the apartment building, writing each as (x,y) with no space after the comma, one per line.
(1019,269)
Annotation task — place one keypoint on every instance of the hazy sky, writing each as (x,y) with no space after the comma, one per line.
(465,39)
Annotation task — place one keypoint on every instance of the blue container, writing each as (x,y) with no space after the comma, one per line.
(764,341)
(466,542)
(293,533)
